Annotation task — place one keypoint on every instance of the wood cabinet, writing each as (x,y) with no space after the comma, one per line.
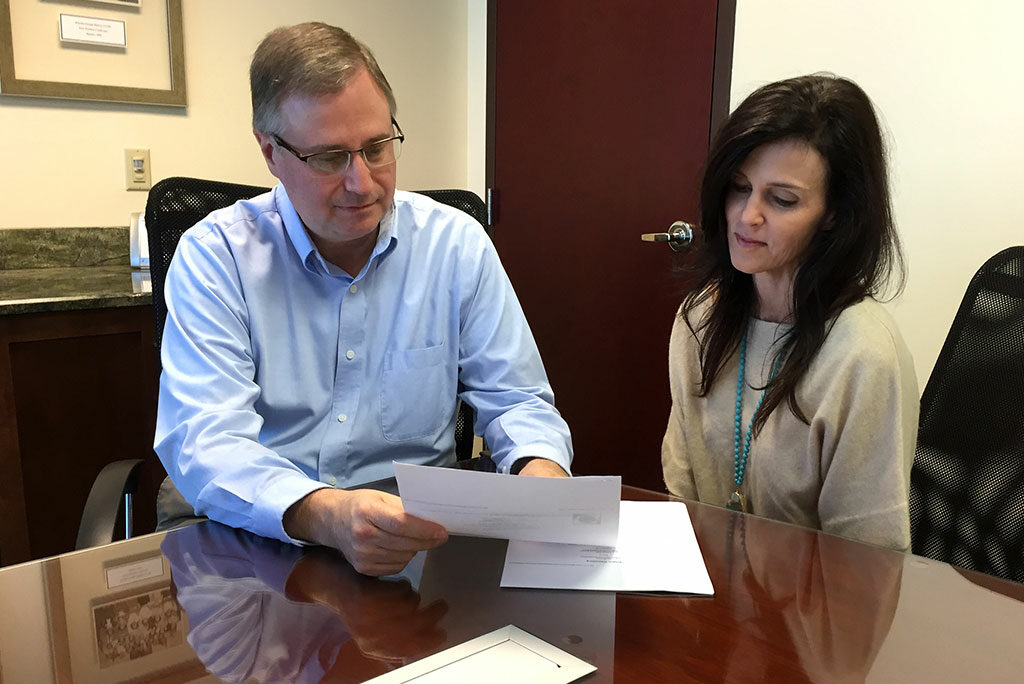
(78,389)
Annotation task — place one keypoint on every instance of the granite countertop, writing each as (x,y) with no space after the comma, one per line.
(32,290)
(66,269)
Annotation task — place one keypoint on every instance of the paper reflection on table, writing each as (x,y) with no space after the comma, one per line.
(271,612)
(466,572)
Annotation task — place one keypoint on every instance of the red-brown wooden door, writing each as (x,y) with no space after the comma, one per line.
(599,125)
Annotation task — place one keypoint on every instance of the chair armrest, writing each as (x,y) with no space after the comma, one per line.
(99,519)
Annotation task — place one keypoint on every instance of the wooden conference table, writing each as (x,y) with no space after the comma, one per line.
(790,605)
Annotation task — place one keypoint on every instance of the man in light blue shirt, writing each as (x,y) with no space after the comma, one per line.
(320,331)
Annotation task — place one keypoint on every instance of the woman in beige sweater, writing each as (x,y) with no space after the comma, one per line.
(793,393)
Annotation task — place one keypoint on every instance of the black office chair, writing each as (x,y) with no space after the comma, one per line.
(174,205)
(108,510)
(967,482)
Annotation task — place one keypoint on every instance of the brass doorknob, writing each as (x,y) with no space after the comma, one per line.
(678,237)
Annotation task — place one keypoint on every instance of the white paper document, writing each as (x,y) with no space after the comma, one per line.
(578,510)
(505,655)
(656,551)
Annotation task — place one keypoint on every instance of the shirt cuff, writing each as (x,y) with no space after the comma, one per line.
(537,450)
(271,504)
(275,575)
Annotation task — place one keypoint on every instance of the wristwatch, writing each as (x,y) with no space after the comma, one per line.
(520,463)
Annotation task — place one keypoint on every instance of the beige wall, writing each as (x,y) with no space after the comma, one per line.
(946,77)
(943,75)
(476,96)
(61,161)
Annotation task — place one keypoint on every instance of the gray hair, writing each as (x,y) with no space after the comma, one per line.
(306,59)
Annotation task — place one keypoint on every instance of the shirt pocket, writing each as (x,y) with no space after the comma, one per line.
(418,390)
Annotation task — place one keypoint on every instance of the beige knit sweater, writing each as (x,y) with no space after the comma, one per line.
(848,472)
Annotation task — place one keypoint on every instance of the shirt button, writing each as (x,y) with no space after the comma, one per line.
(353,289)
(333,481)
(342,417)
(350,355)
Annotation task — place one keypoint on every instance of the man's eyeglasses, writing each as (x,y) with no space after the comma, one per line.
(378,153)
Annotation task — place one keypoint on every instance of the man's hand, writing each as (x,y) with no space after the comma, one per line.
(369,527)
(541,467)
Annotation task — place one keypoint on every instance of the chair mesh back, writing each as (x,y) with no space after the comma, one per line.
(463,200)
(176,204)
(967,483)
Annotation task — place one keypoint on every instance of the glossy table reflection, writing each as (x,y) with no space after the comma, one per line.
(207,603)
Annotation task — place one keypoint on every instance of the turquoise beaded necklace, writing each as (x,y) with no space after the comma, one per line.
(738,502)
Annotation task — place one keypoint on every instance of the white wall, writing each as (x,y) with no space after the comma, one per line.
(61,160)
(947,78)
(476,97)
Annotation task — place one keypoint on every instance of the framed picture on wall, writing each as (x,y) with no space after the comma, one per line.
(143,63)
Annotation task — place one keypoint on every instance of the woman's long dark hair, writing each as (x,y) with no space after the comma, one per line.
(852,259)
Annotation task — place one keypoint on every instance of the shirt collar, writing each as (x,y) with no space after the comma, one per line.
(311,258)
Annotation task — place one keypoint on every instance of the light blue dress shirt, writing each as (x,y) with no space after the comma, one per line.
(282,374)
